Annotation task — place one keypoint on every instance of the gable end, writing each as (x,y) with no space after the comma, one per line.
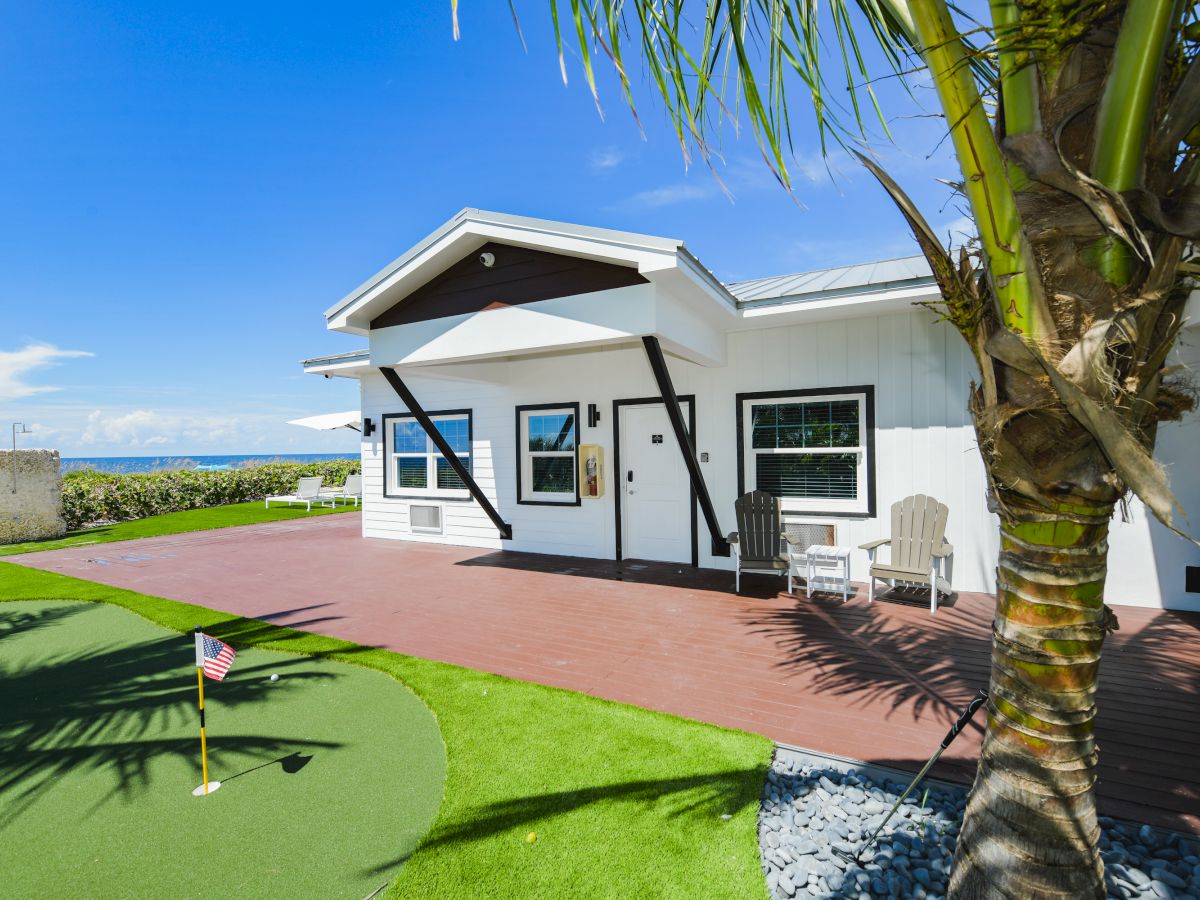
(519,275)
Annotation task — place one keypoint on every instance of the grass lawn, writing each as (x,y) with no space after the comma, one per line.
(623,801)
(99,752)
(251,513)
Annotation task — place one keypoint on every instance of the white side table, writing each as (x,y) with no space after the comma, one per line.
(828,570)
(797,565)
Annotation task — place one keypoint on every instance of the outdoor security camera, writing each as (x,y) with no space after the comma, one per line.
(488,259)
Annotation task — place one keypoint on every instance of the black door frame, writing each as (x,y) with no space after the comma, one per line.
(619,477)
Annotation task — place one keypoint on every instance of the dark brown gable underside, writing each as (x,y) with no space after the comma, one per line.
(519,276)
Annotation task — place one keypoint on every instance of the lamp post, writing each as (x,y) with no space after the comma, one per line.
(24,430)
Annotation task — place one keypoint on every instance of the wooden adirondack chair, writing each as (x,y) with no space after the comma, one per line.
(761,543)
(918,547)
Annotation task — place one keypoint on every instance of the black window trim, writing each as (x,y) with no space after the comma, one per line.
(868,392)
(431,495)
(520,448)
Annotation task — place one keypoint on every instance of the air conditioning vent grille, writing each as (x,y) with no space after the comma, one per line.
(425,518)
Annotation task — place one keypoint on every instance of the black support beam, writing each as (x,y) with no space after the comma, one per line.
(443,447)
(658,364)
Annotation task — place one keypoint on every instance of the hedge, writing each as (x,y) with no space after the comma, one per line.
(90,496)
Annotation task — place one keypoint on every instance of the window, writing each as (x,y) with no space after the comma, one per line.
(546,453)
(413,465)
(811,449)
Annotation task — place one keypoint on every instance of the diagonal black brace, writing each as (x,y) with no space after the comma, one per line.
(443,447)
(658,364)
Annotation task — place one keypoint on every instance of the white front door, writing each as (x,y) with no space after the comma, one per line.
(655,492)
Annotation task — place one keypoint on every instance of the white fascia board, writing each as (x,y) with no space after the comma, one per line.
(343,365)
(683,276)
(354,316)
(853,306)
(468,231)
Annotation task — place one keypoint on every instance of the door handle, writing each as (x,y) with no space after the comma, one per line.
(629,482)
(629,476)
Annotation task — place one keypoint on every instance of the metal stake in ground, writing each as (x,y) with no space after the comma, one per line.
(967,715)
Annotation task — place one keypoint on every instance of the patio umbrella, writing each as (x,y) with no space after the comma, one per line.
(328,421)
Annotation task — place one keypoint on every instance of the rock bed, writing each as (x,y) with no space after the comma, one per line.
(810,808)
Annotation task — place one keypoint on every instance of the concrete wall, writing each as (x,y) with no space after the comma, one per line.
(919,367)
(35,510)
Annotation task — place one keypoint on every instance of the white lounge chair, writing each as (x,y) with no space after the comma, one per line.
(918,548)
(308,492)
(351,490)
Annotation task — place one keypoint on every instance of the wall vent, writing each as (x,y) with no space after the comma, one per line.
(811,533)
(427,519)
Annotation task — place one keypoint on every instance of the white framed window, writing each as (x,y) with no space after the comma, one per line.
(811,449)
(413,466)
(547,462)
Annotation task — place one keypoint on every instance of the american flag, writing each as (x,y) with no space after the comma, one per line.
(216,657)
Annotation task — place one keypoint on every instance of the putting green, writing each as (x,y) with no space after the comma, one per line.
(330,775)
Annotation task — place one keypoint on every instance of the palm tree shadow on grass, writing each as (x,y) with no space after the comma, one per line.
(711,794)
(21,621)
(106,708)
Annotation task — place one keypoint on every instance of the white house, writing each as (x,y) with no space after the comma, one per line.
(541,351)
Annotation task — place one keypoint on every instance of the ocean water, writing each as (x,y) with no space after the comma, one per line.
(127,464)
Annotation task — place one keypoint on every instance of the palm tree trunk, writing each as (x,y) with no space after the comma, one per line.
(1030,826)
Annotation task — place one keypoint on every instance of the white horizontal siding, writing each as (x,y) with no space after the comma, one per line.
(924,441)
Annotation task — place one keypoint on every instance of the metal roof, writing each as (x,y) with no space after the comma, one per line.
(822,283)
(819,284)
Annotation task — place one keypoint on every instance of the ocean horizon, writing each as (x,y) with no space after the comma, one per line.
(206,463)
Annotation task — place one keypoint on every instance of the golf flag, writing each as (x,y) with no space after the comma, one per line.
(213,656)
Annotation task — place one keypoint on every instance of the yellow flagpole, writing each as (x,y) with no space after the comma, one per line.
(200,685)
(203,740)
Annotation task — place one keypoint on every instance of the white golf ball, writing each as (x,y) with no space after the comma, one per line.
(274,677)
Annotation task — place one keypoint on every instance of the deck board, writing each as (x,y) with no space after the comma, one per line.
(878,682)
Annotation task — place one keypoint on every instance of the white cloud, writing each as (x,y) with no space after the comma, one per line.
(822,170)
(605,159)
(670,195)
(957,232)
(149,428)
(745,175)
(16,364)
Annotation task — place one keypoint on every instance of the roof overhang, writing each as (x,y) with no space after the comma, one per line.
(849,305)
(662,261)
(341,365)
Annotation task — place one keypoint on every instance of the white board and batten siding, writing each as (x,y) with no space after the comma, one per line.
(924,442)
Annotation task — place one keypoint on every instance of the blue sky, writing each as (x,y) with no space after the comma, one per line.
(188,187)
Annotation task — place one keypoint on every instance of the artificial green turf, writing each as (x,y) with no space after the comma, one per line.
(624,801)
(251,513)
(330,775)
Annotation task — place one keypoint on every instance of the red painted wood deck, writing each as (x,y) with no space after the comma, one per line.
(879,683)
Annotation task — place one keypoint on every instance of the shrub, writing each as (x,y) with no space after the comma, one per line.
(90,496)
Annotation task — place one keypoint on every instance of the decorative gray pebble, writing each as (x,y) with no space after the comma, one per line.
(807,812)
